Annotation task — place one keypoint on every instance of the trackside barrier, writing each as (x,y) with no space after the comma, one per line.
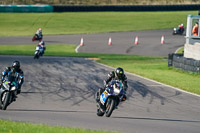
(186,64)
(96,8)
(26,8)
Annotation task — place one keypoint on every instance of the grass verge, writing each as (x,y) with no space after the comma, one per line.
(180,50)
(22,127)
(26,24)
(155,68)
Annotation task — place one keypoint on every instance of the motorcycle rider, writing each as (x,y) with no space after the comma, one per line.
(42,44)
(181,28)
(17,72)
(38,34)
(118,74)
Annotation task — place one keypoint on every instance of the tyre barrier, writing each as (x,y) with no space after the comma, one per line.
(186,64)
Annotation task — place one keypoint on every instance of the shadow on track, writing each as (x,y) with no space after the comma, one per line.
(156,119)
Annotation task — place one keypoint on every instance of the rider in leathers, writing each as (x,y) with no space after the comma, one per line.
(39,33)
(42,44)
(118,74)
(17,72)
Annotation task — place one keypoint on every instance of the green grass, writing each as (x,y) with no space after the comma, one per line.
(155,68)
(26,24)
(22,127)
(180,51)
(51,50)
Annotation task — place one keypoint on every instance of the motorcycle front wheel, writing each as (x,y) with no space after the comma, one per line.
(36,56)
(110,106)
(5,100)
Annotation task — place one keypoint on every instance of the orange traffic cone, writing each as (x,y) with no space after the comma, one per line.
(81,43)
(162,39)
(136,40)
(110,41)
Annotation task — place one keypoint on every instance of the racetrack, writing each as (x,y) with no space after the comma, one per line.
(60,91)
(122,42)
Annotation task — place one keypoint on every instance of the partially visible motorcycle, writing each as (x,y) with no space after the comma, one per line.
(8,91)
(39,50)
(110,98)
(178,31)
(37,37)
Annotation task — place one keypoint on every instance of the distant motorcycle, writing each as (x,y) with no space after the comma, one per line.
(178,31)
(8,91)
(37,37)
(39,51)
(110,98)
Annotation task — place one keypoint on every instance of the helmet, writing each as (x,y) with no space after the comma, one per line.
(40,29)
(16,65)
(182,25)
(119,71)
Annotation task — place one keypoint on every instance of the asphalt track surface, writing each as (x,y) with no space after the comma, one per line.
(122,43)
(60,91)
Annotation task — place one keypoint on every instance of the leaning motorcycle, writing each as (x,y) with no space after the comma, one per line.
(110,98)
(37,37)
(177,31)
(8,91)
(38,52)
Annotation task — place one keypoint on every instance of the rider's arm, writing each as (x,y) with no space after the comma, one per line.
(110,76)
(21,78)
(125,83)
(5,72)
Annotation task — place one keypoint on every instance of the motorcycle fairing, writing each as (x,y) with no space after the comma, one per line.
(104,97)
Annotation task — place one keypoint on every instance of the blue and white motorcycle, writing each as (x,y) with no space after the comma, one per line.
(110,98)
(39,50)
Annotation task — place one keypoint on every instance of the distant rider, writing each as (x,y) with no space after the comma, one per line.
(181,28)
(42,45)
(118,74)
(38,34)
(17,72)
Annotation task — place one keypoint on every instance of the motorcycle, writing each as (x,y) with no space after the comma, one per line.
(8,92)
(178,31)
(39,50)
(110,98)
(37,37)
